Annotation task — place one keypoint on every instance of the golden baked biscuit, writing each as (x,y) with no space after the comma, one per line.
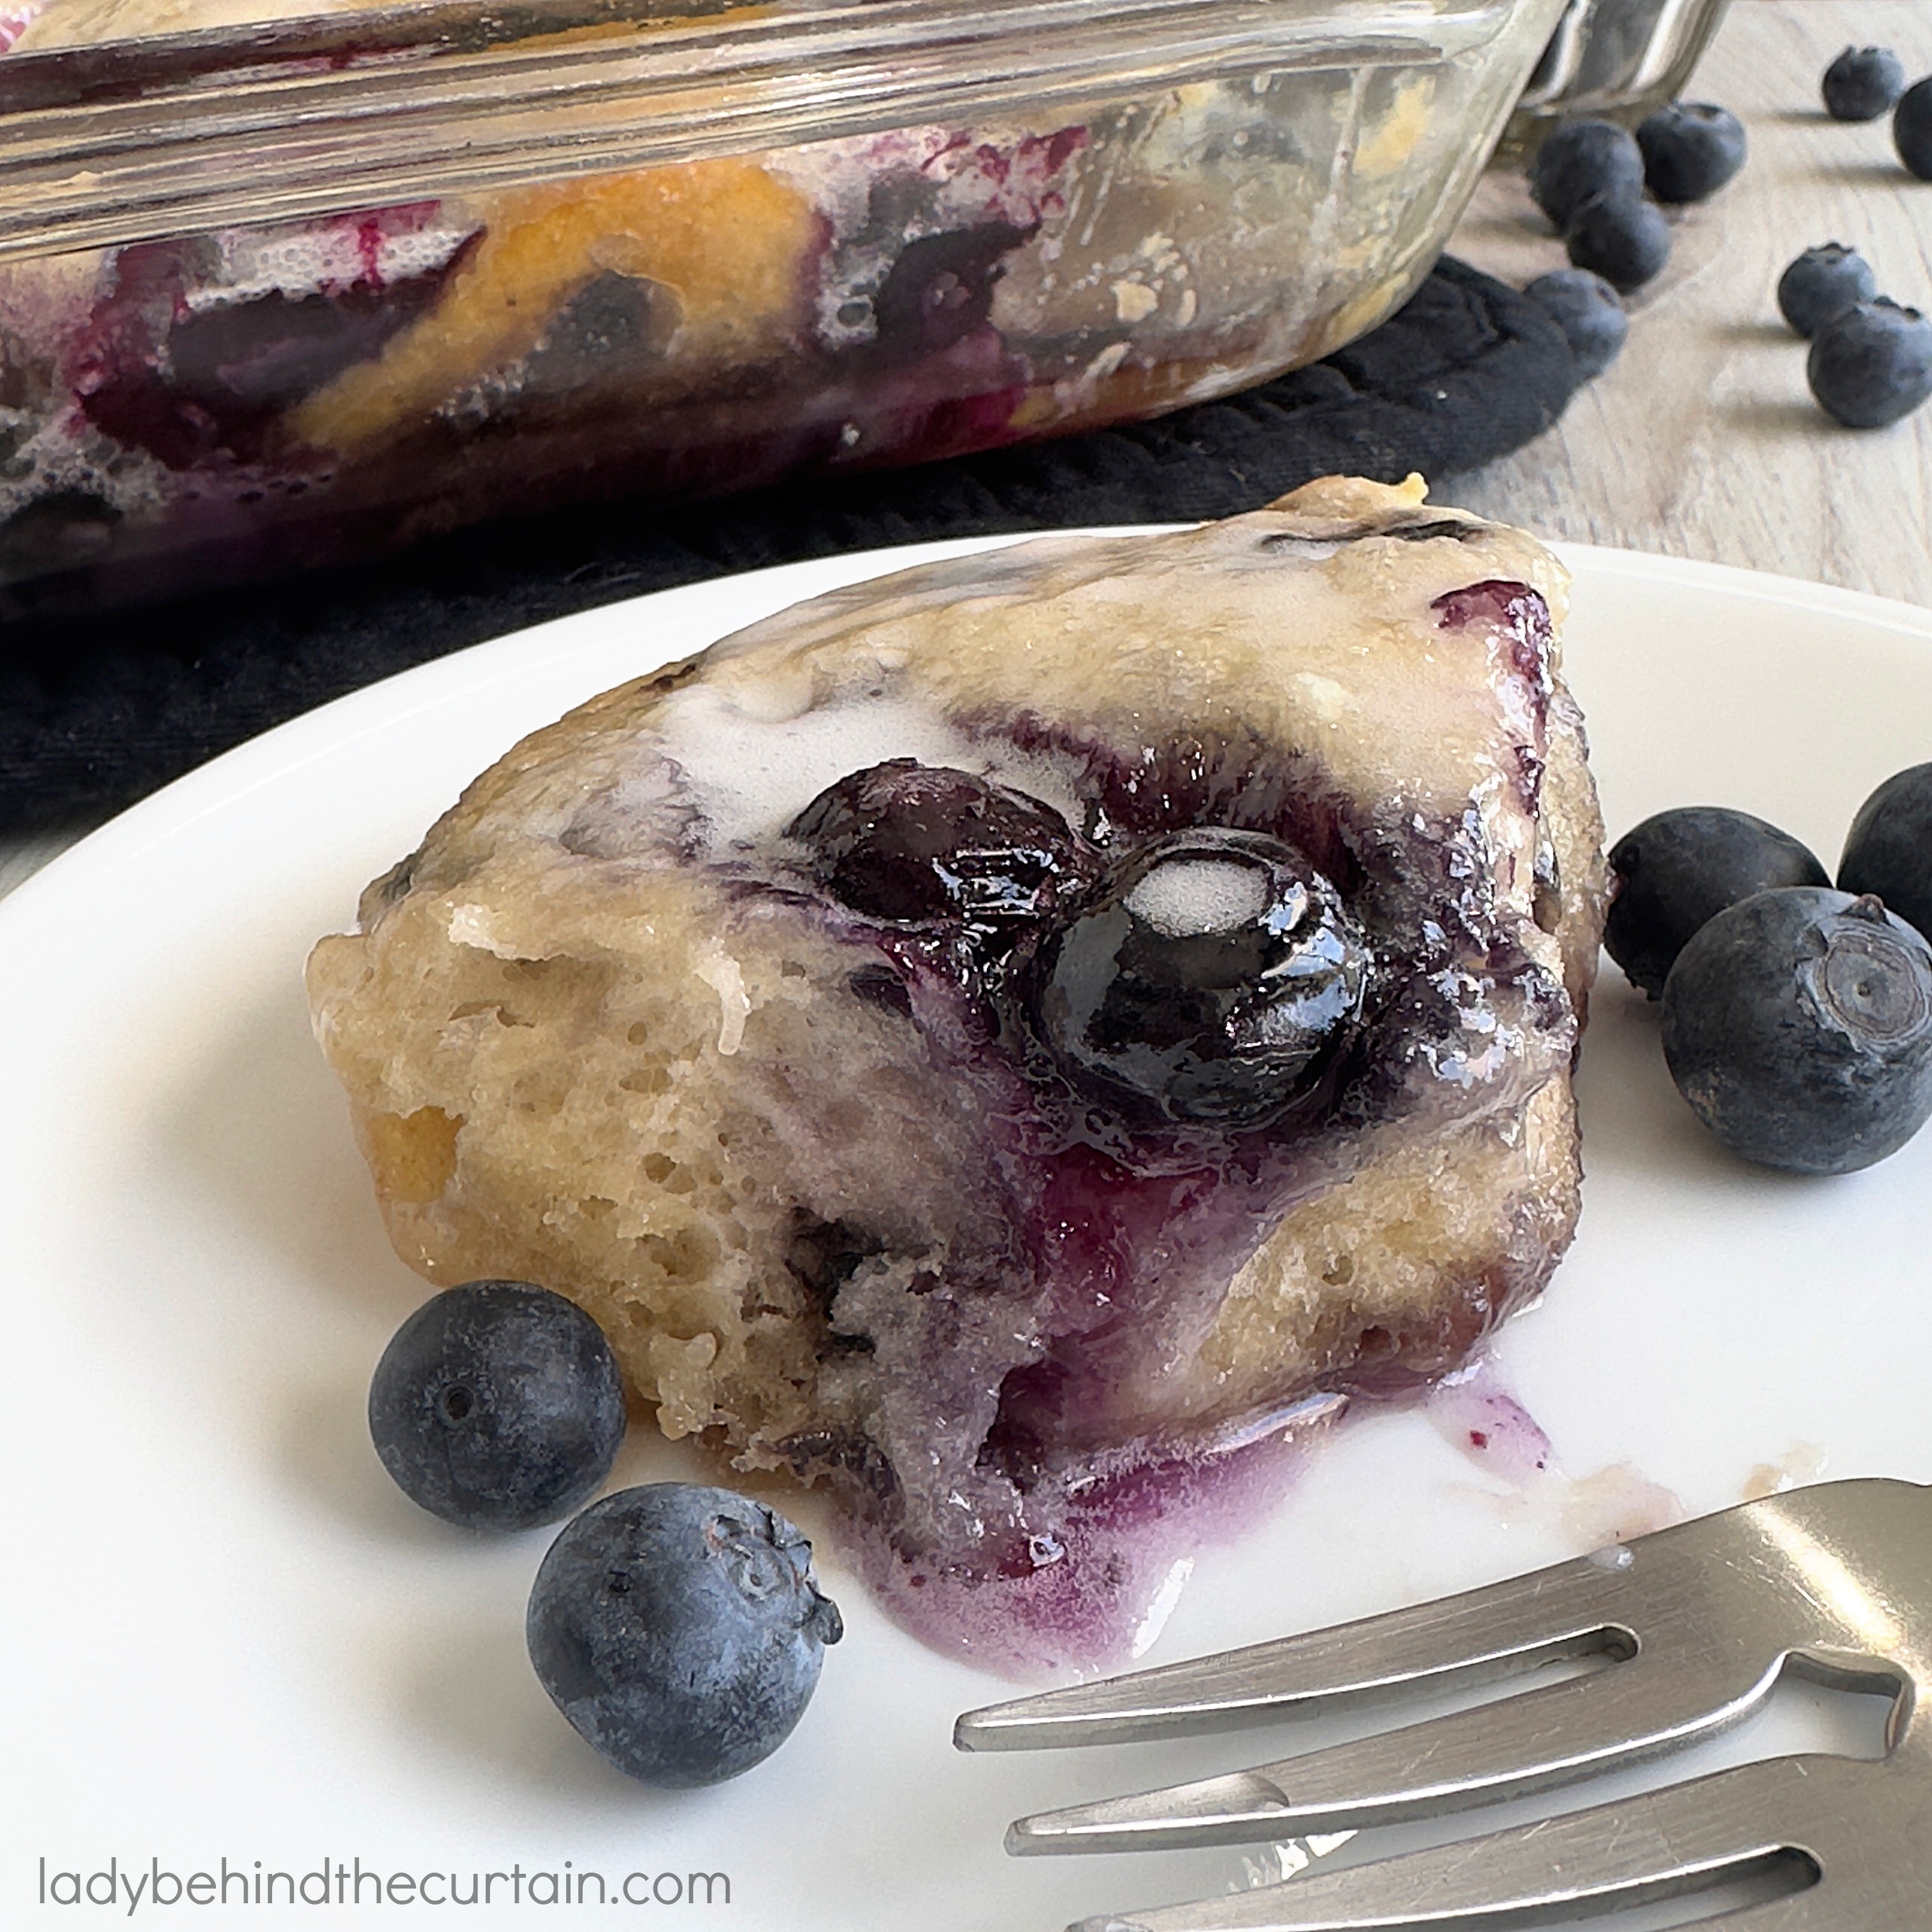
(1005,1039)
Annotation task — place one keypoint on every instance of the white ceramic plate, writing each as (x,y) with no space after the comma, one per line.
(228,1640)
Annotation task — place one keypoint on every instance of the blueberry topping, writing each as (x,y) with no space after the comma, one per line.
(1681,867)
(1691,149)
(1888,851)
(1822,284)
(1798,1024)
(914,844)
(680,1630)
(1212,975)
(497,1405)
(1872,364)
(1912,128)
(1589,313)
(1580,160)
(1622,238)
(1862,83)
(194,384)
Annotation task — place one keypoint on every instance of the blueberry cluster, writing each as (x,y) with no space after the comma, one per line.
(1587,179)
(678,1627)
(1797,1017)
(1604,190)
(1871,358)
(1864,83)
(1205,976)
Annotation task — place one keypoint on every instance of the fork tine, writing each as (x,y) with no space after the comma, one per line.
(1819,1908)
(1570,1609)
(1526,1743)
(1667,1841)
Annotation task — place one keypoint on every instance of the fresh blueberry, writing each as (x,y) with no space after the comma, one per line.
(1798,1024)
(1580,160)
(680,1629)
(1872,364)
(1822,284)
(912,844)
(1691,149)
(1589,313)
(1624,239)
(497,1405)
(1679,869)
(1888,850)
(1862,83)
(1912,128)
(1214,974)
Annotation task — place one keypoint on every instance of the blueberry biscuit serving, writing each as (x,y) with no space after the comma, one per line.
(1004,1041)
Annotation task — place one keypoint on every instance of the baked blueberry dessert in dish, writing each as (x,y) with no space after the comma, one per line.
(316,309)
(1005,1041)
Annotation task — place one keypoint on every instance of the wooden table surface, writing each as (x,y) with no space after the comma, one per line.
(1701,440)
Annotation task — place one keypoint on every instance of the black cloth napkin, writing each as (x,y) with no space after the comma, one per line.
(96,712)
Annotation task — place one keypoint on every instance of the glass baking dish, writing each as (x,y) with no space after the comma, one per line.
(277,290)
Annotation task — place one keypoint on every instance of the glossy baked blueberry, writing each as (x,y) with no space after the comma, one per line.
(1691,149)
(911,843)
(1912,128)
(1681,868)
(1862,83)
(1888,850)
(1798,1024)
(498,1406)
(680,1630)
(1821,284)
(1212,975)
(1589,313)
(1624,239)
(1580,160)
(1871,365)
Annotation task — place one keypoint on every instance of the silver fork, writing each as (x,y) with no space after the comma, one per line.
(1833,1583)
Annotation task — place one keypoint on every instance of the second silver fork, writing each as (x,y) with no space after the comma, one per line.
(1832,1583)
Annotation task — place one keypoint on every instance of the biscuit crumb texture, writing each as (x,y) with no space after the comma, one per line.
(606,1030)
